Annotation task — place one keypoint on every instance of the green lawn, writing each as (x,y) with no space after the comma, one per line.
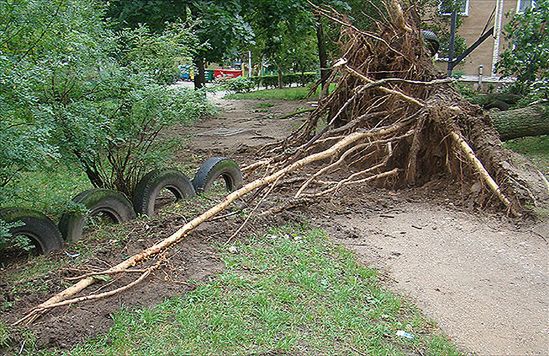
(535,148)
(290,94)
(290,291)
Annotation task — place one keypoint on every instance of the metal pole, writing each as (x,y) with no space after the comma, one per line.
(249,64)
(453,24)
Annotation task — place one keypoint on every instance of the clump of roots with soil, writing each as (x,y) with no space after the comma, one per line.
(392,121)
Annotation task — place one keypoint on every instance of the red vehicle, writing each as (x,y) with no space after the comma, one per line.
(227,73)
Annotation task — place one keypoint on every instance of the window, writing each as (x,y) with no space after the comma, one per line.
(523,5)
(445,7)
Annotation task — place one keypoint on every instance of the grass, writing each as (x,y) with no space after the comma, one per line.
(289,291)
(264,105)
(4,335)
(535,148)
(48,191)
(288,94)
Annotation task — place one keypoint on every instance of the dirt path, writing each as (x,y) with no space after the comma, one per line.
(483,280)
(244,123)
(486,282)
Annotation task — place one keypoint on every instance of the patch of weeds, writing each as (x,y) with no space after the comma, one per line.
(289,291)
(264,105)
(4,335)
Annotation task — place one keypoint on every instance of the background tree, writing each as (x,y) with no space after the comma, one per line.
(527,56)
(222,30)
(73,89)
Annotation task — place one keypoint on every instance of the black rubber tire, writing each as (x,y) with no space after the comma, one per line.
(214,168)
(497,104)
(431,39)
(109,202)
(43,232)
(150,186)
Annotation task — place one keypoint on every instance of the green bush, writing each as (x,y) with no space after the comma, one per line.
(301,79)
(75,95)
(237,85)
(73,90)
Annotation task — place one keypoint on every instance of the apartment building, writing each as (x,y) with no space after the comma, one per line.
(478,16)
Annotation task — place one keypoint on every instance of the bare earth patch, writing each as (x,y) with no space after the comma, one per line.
(483,280)
(242,124)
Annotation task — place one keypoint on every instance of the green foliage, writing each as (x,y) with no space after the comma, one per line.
(154,13)
(221,27)
(237,85)
(527,57)
(4,335)
(71,88)
(117,149)
(301,79)
(290,291)
(5,232)
(157,55)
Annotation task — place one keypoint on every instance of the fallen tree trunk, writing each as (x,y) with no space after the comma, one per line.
(529,121)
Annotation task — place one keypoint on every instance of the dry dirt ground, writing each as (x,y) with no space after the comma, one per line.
(483,278)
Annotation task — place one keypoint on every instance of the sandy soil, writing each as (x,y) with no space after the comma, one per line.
(483,280)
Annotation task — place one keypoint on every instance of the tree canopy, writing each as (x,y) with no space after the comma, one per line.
(527,57)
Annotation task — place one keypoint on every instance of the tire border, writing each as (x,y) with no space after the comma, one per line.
(216,167)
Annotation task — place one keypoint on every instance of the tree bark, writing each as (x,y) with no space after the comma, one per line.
(323,59)
(280,81)
(200,75)
(529,121)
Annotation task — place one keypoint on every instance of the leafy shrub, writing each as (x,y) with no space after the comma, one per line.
(157,55)
(71,88)
(271,81)
(116,140)
(238,85)
(5,237)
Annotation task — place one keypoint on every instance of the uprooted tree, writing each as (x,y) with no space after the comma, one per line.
(391,120)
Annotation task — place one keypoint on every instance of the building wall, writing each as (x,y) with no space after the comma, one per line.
(471,29)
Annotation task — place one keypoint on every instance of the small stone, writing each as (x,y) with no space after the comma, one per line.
(233,249)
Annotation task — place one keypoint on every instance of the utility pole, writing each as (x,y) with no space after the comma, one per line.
(453,25)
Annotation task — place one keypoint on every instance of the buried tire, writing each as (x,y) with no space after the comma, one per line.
(42,232)
(214,168)
(431,40)
(149,187)
(109,202)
